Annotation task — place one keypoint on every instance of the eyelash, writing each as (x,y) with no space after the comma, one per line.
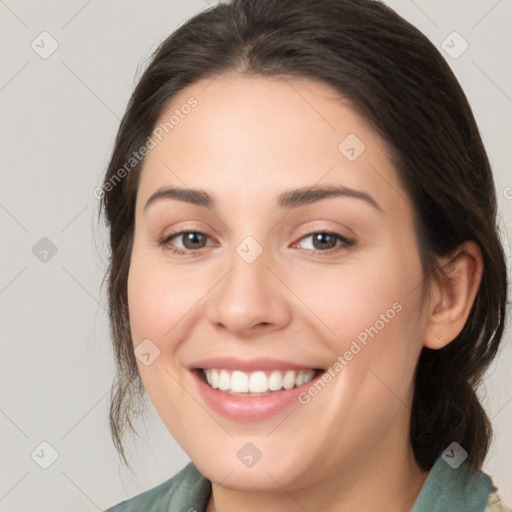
(346,242)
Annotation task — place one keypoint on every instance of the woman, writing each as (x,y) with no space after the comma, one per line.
(306,276)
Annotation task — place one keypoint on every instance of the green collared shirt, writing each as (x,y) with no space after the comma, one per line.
(445,490)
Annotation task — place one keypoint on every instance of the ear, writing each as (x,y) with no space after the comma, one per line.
(453,296)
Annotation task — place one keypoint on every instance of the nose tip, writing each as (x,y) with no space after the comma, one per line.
(249,297)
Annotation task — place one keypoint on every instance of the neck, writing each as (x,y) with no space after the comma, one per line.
(385,477)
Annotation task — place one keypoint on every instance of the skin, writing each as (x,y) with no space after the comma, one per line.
(248,140)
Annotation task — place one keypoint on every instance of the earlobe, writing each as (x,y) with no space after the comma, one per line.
(454,296)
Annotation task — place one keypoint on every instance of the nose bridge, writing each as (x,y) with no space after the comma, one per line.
(249,294)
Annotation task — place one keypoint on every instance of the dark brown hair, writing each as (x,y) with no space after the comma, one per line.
(399,82)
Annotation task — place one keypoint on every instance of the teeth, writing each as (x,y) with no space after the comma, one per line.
(289,379)
(224,380)
(275,381)
(239,382)
(257,382)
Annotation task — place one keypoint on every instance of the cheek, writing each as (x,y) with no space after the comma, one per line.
(158,298)
(349,300)
(144,305)
(158,302)
(372,318)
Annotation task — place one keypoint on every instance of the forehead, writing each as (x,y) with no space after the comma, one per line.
(253,134)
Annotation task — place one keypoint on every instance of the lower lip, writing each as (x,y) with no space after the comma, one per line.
(250,408)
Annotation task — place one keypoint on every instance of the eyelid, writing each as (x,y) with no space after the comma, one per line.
(184,227)
(164,239)
(346,242)
(312,229)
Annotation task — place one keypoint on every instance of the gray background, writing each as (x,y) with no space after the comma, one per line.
(59,116)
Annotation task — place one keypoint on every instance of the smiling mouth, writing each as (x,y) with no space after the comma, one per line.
(257,383)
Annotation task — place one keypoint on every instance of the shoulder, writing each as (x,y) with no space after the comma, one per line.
(457,488)
(187,489)
(494,504)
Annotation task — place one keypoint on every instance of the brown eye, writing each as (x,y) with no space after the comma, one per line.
(186,240)
(325,242)
(193,240)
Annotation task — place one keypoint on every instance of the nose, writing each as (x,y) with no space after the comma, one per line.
(249,299)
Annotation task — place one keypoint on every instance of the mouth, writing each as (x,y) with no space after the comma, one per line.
(256,383)
(252,390)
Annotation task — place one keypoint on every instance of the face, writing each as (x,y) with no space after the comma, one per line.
(291,281)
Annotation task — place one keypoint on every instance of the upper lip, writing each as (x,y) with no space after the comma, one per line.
(232,363)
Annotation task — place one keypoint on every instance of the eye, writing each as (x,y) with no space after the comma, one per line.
(325,242)
(320,242)
(186,241)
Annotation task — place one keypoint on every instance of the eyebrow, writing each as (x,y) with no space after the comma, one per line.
(286,200)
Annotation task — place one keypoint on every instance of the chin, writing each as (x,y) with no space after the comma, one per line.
(263,476)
